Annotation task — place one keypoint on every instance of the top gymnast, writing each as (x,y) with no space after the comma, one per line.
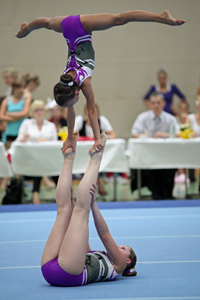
(77,31)
(67,259)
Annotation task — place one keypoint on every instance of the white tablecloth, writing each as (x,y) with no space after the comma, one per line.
(164,153)
(38,159)
(5,170)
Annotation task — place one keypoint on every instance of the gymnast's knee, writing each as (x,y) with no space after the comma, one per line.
(82,207)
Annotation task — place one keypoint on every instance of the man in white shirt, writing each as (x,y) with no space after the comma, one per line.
(157,124)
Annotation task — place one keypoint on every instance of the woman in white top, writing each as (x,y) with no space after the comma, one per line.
(37,129)
(195,120)
(82,124)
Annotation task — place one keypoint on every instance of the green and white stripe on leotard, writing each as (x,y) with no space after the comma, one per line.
(99,267)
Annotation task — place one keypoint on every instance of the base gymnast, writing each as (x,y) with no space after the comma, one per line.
(67,259)
(77,31)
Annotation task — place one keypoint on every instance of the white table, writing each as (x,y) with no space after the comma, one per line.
(45,158)
(5,169)
(163,154)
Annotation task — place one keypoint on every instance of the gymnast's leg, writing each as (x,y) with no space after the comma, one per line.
(105,21)
(64,208)
(74,247)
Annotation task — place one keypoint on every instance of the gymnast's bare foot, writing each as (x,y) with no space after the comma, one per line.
(168,19)
(23,32)
(69,153)
(94,153)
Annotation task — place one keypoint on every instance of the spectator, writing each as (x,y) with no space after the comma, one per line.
(37,129)
(195,120)
(14,110)
(82,124)
(182,113)
(30,83)
(2,123)
(57,117)
(167,90)
(155,123)
(9,75)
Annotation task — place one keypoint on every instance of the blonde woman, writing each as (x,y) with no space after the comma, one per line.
(37,129)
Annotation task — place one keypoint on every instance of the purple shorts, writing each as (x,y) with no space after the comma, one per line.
(55,275)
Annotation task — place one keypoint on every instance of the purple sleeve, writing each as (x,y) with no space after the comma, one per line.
(176,91)
(150,91)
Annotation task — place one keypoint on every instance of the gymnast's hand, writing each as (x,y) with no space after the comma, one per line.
(93,192)
(69,143)
(97,145)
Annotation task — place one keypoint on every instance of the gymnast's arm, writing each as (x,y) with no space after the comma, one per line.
(89,95)
(118,259)
(70,142)
(38,23)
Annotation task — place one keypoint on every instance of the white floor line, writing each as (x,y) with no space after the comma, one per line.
(106,218)
(118,237)
(25,241)
(139,262)
(168,262)
(150,298)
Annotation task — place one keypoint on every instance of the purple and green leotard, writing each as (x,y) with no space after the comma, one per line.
(80,53)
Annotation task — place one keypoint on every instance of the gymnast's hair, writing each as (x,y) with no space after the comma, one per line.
(65,89)
(130,268)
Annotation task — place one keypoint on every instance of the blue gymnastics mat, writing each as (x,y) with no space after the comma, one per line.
(165,239)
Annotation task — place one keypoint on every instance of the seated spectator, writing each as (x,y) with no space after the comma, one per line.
(82,124)
(57,117)
(14,110)
(167,90)
(37,129)
(182,113)
(155,123)
(9,76)
(195,119)
(30,84)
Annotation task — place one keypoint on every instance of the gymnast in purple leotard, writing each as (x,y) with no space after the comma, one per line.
(67,259)
(77,31)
